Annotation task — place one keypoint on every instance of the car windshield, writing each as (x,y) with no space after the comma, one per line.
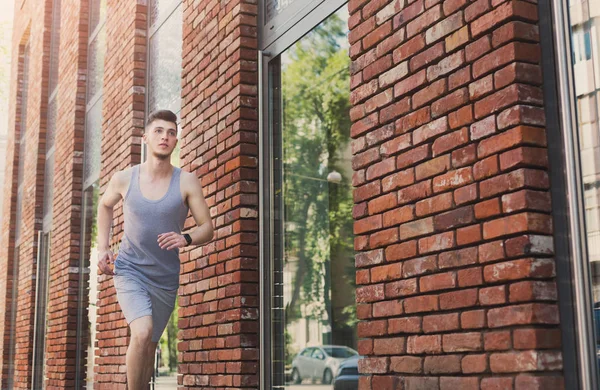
(339,352)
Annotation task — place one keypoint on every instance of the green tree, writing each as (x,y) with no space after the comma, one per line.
(316,133)
(168,341)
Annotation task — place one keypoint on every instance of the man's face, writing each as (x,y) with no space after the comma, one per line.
(161,138)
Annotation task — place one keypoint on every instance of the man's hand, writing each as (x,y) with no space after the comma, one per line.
(106,262)
(171,240)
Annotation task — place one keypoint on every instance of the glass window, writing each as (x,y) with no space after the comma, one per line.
(97,49)
(48,187)
(587,45)
(340,352)
(318,354)
(313,274)
(574,50)
(165,48)
(159,10)
(275,7)
(164,73)
(93,142)
(54,45)
(97,13)
(89,293)
(51,123)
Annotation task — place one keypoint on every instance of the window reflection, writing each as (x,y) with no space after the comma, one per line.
(313,302)
(164,73)
(97,49)
(90,266)
(165,47)
(585,23)
(93,142)
(275,7)
(97,13)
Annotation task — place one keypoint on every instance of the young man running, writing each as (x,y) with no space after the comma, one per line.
(156,199)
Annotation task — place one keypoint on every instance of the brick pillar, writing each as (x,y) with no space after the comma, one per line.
(66,228)
(7,240)
(218,316)
(122,128)
(32,24)
(453,221)
(9,206)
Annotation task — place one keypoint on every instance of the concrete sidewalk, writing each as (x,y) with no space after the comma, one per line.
(166,383)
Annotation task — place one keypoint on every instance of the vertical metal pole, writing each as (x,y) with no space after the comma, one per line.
(261,225)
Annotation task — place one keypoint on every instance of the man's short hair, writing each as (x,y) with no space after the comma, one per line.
(165,115)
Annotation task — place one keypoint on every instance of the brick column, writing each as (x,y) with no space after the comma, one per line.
(9,206)
(453,221)
(122,128)
(32,24)
(218,316)
(66,228)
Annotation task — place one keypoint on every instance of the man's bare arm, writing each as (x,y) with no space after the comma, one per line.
(106,205)
(203,232)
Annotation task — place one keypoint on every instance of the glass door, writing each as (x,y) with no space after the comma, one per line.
(309,310)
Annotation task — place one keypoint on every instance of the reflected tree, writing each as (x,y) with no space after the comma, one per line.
(168,342)
(318,213)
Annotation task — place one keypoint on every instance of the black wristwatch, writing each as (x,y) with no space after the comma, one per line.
(188,238)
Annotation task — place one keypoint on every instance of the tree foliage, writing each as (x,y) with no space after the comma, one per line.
(318,214)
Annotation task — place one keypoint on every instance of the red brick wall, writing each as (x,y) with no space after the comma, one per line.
(453,226)
(123,125)
(66,227)
(31,25)
(218,316)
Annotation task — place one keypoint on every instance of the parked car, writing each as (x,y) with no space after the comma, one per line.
(319,363)
(347,376)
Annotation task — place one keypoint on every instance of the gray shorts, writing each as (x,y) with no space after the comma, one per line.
(139,299)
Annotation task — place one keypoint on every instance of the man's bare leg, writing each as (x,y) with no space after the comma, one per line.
(137,353)
(150,366)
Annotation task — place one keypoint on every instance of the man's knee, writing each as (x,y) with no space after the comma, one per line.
(141,331)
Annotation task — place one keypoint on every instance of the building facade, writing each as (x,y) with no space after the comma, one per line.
(409,181)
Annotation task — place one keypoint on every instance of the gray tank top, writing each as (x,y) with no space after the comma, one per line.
(139,254)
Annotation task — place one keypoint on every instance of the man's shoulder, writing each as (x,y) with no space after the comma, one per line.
(124,173)
(187,176)
(190,182)
(122,177)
